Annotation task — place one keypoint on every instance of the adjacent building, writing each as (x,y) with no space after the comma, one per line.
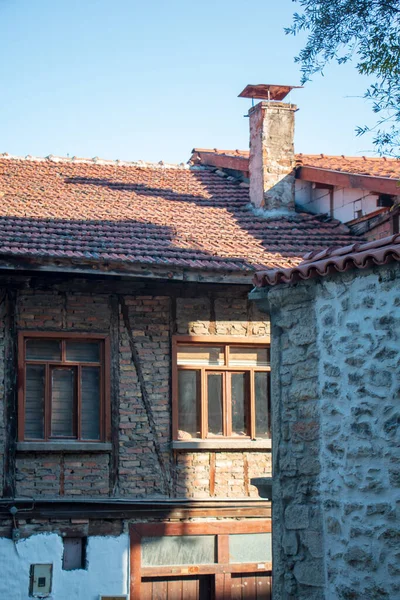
(335,418)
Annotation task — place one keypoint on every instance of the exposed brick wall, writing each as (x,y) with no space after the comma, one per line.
(146,466)
(56,474)
(139,468)
(379,232)
(227,315)
(232,473)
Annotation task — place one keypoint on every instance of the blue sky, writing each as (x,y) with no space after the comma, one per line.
(151,80)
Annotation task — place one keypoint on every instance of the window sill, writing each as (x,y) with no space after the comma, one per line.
(227,444)
(64,447)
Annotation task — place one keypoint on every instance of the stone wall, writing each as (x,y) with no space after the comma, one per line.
(358,321)
(336,457)
(141,463)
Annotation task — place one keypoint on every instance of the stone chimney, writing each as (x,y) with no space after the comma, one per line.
(272,159)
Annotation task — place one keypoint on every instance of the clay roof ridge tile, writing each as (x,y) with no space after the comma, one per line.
(95,160)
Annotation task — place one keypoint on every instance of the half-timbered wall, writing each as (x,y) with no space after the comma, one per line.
(140,326)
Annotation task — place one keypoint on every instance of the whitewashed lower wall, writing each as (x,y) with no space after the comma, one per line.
(106,573)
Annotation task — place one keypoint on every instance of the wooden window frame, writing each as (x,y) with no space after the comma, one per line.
(104,364)
(222,569)
(226,342)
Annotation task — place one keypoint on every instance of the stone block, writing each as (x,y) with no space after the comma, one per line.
(290,543)
(297,516)
(312,540)
(359,559)
(310,572)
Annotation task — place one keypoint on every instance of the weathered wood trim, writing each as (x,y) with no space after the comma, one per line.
(114,394)
(382,185)
(210,528)
(163,466)
(250,340)
(103,364)
(221,569)
(10,391)
(225,444)
(154,508)
(64,447)
(212,474)
(247,568)
(48,265)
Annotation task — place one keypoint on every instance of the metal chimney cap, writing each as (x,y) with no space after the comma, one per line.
(267,91)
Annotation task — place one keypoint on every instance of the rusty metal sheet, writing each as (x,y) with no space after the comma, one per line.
(267,91)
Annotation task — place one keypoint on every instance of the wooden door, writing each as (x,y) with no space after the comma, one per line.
(201,561)
(177,588)
(251,586)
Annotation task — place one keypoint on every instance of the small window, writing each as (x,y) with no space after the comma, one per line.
(63,388)
(221,391)
(74,555)
(385,200)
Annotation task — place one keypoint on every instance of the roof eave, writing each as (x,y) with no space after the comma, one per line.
(381,185)
(134,271)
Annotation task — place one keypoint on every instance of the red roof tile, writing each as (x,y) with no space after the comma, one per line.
(375,167)
(157,215)
(359,256)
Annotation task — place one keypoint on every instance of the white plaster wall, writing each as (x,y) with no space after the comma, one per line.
(302,192)
(358,323)
(346,201)
(107,567)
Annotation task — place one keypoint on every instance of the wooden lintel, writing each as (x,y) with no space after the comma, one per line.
(260,567)
(154,509)
(240,276)
(223,161)
(380,185)
(8,304)
(323,186)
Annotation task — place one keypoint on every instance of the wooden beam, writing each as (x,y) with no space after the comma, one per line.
(32,265)
(10,391)
(379,185)
(114,392)
(203,528)
(223,161)
(207,569)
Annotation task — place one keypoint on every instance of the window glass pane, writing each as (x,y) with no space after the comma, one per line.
(188,404)
(62,402)
(250,547)
(178,550)
(90,403)
(45,349)
(239,397)
(83,351)
(215,406)
(34,402)
(201,355)
(248,357)
(262,403)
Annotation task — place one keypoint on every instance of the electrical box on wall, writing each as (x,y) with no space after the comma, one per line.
(40,580)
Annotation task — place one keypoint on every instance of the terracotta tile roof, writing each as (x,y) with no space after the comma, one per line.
(375,167)
(359,256)
(156,215)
